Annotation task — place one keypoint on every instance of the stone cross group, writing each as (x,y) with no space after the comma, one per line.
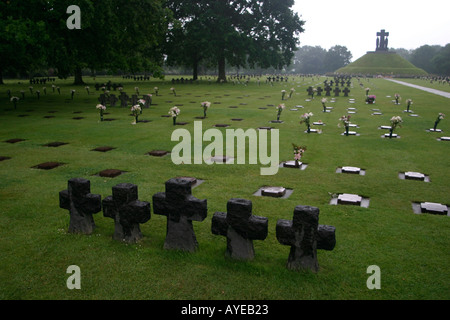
(303,234)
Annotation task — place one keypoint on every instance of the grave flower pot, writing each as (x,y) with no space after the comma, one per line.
(346,130)
(174,121)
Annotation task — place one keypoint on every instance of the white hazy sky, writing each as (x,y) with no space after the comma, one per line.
(355,23)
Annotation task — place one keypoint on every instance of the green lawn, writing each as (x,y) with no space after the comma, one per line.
(410,249)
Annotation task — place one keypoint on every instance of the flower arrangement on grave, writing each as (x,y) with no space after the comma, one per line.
(283,93)
(101,108)
(174,112)
(205,105)
(141,104)
(156,90)
(371,99)
(298,153)
(31,89)
(396,121)
(14,100)
(135,110)
(367,92)
(313,91)
(137,90)
(439,118)
(306,118)
(173,91)
(120,89)
(291,93)
(396,97)
(280,109)
(73,93)
(324,101)
(408,104)
(345,120)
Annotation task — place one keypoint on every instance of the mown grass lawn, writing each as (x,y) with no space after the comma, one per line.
(410,249)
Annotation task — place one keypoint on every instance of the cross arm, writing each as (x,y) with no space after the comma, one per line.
(257,228)
(326,239)
(285,233)
(135,211)
(219,225)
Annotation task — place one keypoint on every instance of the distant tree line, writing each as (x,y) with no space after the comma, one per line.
(317,60)
(433,59)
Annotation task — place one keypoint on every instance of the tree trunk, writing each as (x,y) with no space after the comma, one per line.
(78,76)
(1,77)
(222,75)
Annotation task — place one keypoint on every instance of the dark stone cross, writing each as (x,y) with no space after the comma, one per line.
(336,91)
(127,211)
(310,90)
(181,208)
(81,205)
(328,89)
(240,227)
(382,41)
(123,100)
(346,91)
(305,236)
(319,91)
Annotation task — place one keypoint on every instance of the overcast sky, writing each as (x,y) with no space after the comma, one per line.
(355,23)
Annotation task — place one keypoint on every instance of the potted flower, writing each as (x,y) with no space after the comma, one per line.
(38,93)
(14,100)
(101,108)
(371,99)
(174,112)
(280,109)
(141,104)
(156,90)
(283,93)
(408,104)
(291,93)
(136,110)
(53,88)
(137,90)
(313,91)
(173,91)
(345,120)
(87,89)
(31,89)
(73,93)
(396,121)
(367,92)
(439,118)
(306,119)
(205,106)
(324,101)
(45,90)
(396,97)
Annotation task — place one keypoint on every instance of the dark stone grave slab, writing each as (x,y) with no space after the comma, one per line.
(110,173)
(265,128)
(221,125)
(127,211)
(304,235)
(78,118)
(14,140)
(237,119)
(55,144)
(180,208)
(194,181)
(182,123)
(158,153)
(48,165)
(23,115)
(81,205)
(276,121)
(240,227)
(2,158)
(233,107)
(49,117)
(103,149)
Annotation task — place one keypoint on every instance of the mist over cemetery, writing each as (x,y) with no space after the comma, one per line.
(264,185)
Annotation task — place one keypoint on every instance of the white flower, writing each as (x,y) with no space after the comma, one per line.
(206,104)
(101,107)
(281,107)
(135,109)
(174,112)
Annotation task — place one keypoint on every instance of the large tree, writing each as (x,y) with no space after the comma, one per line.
(422,57)
(337,57)
(252,33)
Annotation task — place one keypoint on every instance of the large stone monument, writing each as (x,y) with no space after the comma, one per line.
(382,40)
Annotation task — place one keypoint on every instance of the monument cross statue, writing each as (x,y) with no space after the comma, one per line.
(382,41)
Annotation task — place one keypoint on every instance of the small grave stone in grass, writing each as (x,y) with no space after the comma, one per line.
(110,173)
(103,149)
(262,108)
(430,207)
(410,175)
(318,123)
(14,140)
(240,227)
(377,113)
(265,128)
(351,170)
(78,118)
(444,139)
(221,125)
(351,133)
(312,131)
(81,205)
(233,107)
(158,153)
(182,123)
(127,211)
(48,165)
(274,192)
(350,199)
(237,119)
(385,127)
(220,159)
(276,121)
(304,235)
(434,130)
(394,136)
(2,158)
(55,144)
(194,181)
(294,165)
(180,208)
(49,117)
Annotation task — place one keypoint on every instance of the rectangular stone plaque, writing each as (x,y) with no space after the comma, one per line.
(351,199)
(431,207)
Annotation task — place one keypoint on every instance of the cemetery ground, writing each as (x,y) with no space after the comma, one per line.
(410,249)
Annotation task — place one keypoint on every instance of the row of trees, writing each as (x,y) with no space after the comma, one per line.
(143,35)
(433,59)
(317,60)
